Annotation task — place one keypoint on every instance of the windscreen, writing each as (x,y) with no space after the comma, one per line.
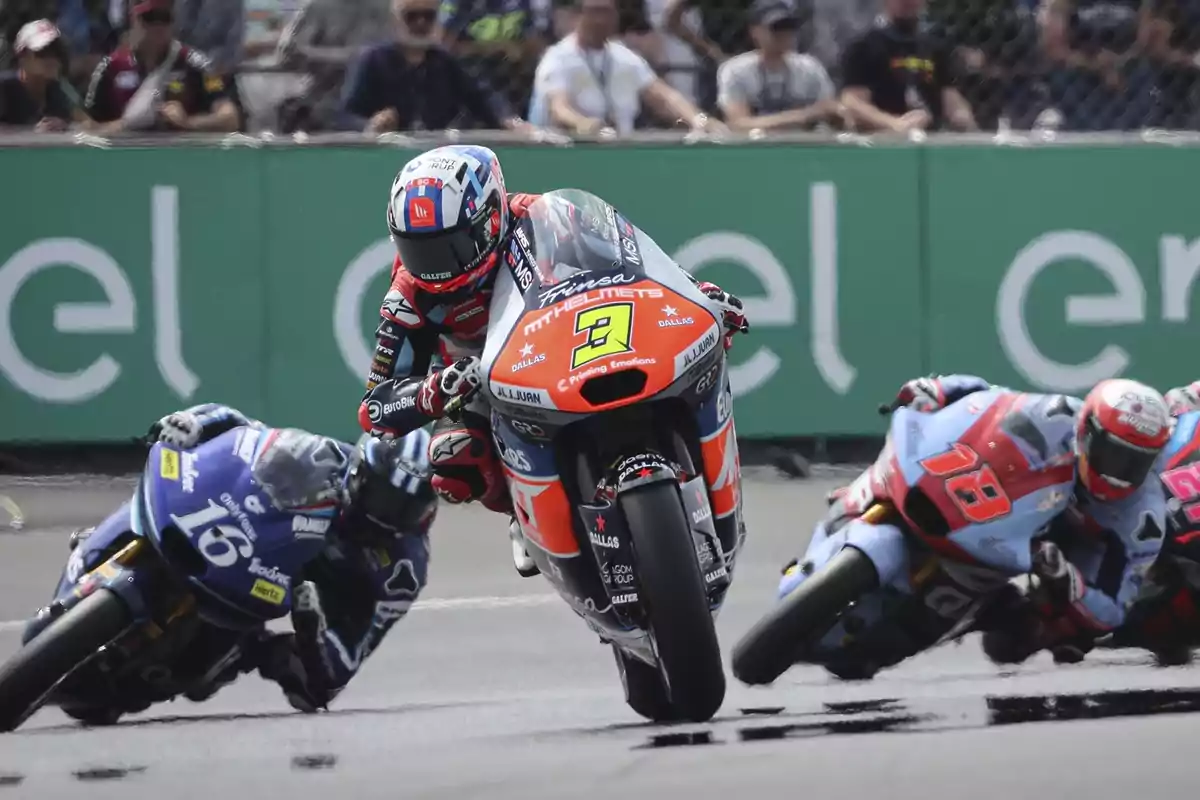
(570,231)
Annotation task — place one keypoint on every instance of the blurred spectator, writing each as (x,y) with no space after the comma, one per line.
(414,84)
(897,76)
(322,39)
(1172,36)
(1097,80)
(725,31)
(34,95)
(996,45)
(156,82)
(835,23)
(499,38)
(85,26)
(775,87)
(589,82)
(218,28)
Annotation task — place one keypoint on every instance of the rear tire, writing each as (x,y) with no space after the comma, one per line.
(772,646)
(675,600)
(70,640)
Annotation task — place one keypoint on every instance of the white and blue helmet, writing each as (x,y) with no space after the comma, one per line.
(447,215)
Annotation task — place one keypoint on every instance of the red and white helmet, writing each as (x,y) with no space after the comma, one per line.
(1122,428)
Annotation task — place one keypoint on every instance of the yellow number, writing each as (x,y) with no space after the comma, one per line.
(608,328)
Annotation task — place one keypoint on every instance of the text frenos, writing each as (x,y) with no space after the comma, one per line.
(588,298)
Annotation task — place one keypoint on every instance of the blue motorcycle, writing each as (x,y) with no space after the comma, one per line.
(169,589)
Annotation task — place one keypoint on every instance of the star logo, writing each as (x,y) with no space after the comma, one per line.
(645,472)
(669,311)
(601,524)
(527,350)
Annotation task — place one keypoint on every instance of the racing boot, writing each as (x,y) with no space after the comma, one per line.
(525,565)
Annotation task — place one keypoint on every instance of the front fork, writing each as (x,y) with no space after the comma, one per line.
(119,574)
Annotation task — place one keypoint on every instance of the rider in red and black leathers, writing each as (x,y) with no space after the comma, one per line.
(450,215)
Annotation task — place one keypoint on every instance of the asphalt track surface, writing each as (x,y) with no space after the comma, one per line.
(492,688)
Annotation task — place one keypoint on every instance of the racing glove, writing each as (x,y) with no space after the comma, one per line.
(181,429)
(732,315)
(461,378)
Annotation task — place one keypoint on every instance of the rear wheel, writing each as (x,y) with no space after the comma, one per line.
(33,672)
(645,692)
(772,646)
(673,595)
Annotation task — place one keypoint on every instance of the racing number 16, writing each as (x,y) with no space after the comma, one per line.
(976,491)
(608,327)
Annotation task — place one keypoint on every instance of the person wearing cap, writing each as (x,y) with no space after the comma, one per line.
(35,95)
(775,87)
(155,82)
(897,76)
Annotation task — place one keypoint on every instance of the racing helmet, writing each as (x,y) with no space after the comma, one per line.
(447,215)
(388,492)
(1121,429)
(1183,399)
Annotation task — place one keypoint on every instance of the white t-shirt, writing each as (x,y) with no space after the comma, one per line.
(604,84)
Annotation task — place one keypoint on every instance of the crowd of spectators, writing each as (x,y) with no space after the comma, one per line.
(599,66)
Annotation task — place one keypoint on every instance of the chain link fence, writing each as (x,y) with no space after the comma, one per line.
(297,65)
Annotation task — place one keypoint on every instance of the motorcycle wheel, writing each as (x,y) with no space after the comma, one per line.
(773,644)
(33,672)
(673,595)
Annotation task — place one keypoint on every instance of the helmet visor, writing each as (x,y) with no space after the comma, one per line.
(448,254)
(1118,462)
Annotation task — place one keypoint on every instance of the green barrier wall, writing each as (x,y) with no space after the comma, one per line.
(137,280)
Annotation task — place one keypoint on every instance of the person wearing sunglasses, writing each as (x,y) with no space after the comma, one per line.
(157,83)
(35,94)
(415,84)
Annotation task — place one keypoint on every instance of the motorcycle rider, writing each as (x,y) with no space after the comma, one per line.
(1117,510)
(450,216)
(381,507)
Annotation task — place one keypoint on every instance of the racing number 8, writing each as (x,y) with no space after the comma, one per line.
(608,327)
(978,493)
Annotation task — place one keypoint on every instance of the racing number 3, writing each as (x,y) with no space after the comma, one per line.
(974,489)
(608,327)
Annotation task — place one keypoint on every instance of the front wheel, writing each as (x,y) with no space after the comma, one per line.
(33,672)
(675,601)
(771,647)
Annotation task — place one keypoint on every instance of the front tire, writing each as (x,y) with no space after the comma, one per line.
(772,646)
(33,672)
(675,601)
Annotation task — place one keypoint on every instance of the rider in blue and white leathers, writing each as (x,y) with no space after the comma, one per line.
(348,598)
(1103,461)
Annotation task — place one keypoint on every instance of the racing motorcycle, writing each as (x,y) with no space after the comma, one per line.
(866,597)
(606,385)
(198,556)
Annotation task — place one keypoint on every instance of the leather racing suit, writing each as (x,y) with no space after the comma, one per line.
(345,601)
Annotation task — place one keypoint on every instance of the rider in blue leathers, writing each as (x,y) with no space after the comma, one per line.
(1114,438)
(348,598)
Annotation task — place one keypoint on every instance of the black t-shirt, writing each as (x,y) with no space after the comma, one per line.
(903,73)
(19,107)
